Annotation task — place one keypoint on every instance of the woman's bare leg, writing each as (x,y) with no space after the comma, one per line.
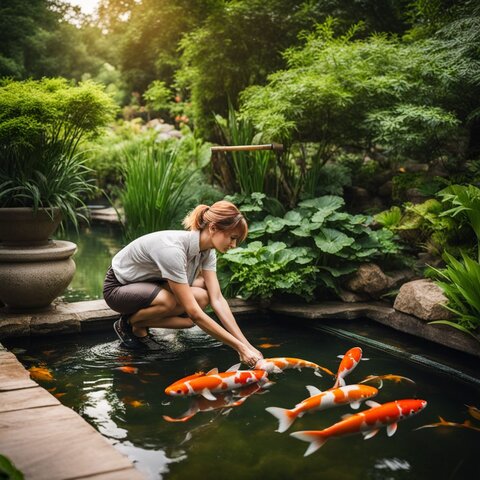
(163,312)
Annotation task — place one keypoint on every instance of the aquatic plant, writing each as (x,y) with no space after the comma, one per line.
(154,184)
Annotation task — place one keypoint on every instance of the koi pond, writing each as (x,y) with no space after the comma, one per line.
(122,395)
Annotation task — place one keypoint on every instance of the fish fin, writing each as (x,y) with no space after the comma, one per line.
(391,429)
(268,384)
(380,385)
(370,433)
(317,373)
(234,368)
(347,415)
(313,390)
(341,382)
(284,416)
(207,394)
(372,403)
(213,371)
(355,405)
(340,356)
(276,369)
(316,440)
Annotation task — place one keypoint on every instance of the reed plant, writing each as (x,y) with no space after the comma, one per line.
(154,187)
(254,171)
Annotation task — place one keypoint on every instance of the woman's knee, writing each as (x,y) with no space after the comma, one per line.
(201,296)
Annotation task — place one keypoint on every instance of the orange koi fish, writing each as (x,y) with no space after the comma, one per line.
(368,422)
(133,402)
(318,400)
(279,364)
(201,404)
(127,369)
(41,373)
(349,361)
(389,376)
(445,423)
(269,345)
(473,411)
(214,382)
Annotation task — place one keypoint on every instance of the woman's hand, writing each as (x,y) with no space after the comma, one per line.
(249,355)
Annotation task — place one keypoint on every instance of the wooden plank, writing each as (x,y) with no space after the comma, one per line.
(54,443)
(12,373)
(26,398)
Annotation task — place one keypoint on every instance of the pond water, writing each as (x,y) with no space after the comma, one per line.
(241,442)
(96,245)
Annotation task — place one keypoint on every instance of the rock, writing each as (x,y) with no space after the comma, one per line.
(398,277)
(414,195)
(385,190)
(423,299)
(351,297)
(368,279)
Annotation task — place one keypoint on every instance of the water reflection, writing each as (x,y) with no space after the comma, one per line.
(96,245)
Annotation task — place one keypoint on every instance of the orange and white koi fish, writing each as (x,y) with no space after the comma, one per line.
(279,364)
(445,423)
(318,400)
(368,422)
(206,384)
(349,361)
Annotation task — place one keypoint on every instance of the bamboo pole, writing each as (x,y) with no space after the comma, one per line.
(242,148)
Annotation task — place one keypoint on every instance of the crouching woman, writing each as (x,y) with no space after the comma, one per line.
(154,281)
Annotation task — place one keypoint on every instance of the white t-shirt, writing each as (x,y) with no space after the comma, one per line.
(168,255)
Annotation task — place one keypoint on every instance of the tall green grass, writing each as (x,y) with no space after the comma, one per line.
(253,171)
(154,187)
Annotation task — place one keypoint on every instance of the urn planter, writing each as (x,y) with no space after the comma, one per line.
(34,270)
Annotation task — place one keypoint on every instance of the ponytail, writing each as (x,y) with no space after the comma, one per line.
(223,215)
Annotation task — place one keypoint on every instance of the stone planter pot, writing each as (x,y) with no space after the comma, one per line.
(23,227)
(31,278)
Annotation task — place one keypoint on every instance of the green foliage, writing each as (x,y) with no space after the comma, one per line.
(319,234)
(461,283)
(344,92)
(256,206)
(158,96)
(8,470)
(264,270)
(41,125)
(154,183)
(464,201)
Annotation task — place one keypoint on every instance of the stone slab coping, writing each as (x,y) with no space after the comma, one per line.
(386,315)
(48,441)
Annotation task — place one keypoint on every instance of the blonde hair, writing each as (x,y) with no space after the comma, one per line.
(223,215)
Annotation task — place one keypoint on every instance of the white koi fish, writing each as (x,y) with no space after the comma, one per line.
(367,422)
(318,400)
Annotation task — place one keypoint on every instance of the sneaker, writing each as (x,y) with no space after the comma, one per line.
(124,332)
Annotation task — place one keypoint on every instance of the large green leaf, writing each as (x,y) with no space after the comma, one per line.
(332,241)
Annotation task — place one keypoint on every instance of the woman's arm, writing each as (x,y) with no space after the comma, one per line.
(222,308)
(185,297)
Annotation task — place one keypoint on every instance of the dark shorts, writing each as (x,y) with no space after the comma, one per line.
(129,298)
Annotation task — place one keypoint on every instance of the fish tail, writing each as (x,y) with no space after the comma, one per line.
(285,417)
(181,419)
(316,440)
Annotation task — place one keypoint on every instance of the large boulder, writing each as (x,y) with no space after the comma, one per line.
(423,299)
(368,279)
